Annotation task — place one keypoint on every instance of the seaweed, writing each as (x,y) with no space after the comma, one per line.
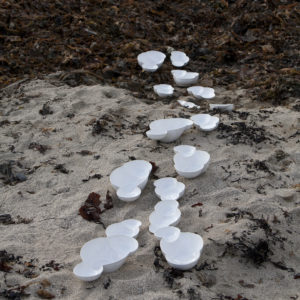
(39,147)
(241,133)
(91,210)
(61,168)
(249,44)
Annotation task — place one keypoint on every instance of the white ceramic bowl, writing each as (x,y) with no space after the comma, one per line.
(129,227)
(205,122)
(109,252)
(150,61)
(163,90)
(168,130)
(179,59)
(169,188)
(187,104)
(182,250)
(165,213)
(200,92)
(184,78)
(87,273)
(130,179)
(189,162)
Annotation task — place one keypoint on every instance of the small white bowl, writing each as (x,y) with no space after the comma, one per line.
(184,78)
(189,162)
(223,107)
(165,213)
(109,252)
(150,61)
(169,188)
(130,179)
(179,59)
(129,227)
(200,92)
(187,104)
(183,253)
(104,254)
(87,273)
(182,250)
(163,90)
(168,130)
(169,233)
(205,122)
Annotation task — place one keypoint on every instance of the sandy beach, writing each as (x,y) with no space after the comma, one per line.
(248,199)
(60,143)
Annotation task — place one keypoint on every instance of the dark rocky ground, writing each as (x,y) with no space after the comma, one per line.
(249,44)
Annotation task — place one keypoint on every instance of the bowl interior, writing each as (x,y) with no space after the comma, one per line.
(104,251)
(191,163)
(170,124)
(132,173)
(184,249)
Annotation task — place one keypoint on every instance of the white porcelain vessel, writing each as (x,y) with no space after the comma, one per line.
(182,250)
(165,213)
(169,188)
(163,90)
(223,107)
(184,78)
(179,59)
(129,227)
(190,162)
(200,92)
(205,122)
(151,60)
(85,272)
(107,254)
(187,104)
(130,179)
(168,130)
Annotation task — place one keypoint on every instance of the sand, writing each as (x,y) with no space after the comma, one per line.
(250,212)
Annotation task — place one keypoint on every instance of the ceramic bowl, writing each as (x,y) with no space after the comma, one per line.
(183,252)
(150,61)
(200,92)
(169,233)
(205,122)
(165,213)
(190,162)
(223,107)
(179,59)
(130,179)
(163,90)
(85,272)
(184,78)
(187,104)
(107,254)
(168,130)
(169,188)
(129,227)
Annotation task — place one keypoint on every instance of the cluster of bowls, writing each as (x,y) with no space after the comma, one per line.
(169,130)
(108,254)
(182,250)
